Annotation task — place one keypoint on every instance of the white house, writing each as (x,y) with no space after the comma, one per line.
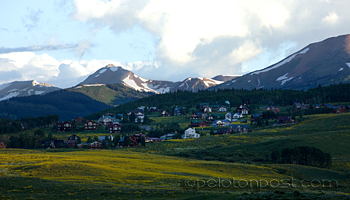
(229,116)
(222,109)
(190,133)
(237,115)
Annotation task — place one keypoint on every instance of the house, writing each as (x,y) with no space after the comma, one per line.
(168,136)
(243,109)
(222,109)
(95,145)
(324,105)
(237,116)
(65,126)
(300,106)
(207,109)
(275,109)
(79,120)
(153,109)
(133,141)
(156,140)
(214,108)
(141,108)
(90,126)
(139,116)
(165,113)
(284,119)
(177,111)
(254,117)
(223,131)
(339,109)
(73,137)
(2,145)
(198,124)
(109,137)
(210,119)
(239,128)
(69,143)
(120,116)
(195,116)
(190,133)
(114,128)
(107,119)
(229,116)
(219,123)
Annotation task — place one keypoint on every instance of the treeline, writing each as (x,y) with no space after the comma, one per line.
(273,97)
(9,126)
(303,155)
(41,121)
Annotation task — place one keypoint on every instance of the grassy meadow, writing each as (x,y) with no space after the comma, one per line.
(212,167)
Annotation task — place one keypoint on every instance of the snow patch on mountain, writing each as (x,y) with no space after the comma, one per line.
(97,75)
(288,79)
(39,92)
(5,85)
(114,69)
(341,69)
(103,71)
(143,79)
(348,64)
(282,77)
(249,81)
(29,91)
(10,95)
(304,51)
(275,66)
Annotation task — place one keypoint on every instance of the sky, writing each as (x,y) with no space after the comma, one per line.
(61,42)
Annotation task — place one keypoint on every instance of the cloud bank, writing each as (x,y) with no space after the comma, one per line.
(219,37)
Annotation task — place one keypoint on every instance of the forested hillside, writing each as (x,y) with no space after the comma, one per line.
(332,93)
(64,103)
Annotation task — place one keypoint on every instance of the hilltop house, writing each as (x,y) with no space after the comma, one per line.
(198,124)
(275,109)
(243,109)
(65,126)
(153,109)
(107,119)
(238,128)
(114,128)
(90,126)
(254,117)
(190,133)
(224,131)
(222,109)
(165,113)
(168,136)
(284,119)
(2,145)
(139,115)
(219,123)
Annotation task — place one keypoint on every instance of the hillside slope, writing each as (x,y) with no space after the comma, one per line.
(326,62)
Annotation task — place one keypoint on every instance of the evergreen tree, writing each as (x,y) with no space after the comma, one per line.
(143,141)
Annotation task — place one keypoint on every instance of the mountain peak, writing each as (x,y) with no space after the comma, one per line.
(110,65)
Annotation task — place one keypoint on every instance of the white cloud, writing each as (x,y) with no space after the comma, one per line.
(331,18)
(185,28)
(21,66)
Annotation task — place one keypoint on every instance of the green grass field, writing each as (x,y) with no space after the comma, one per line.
(183,169)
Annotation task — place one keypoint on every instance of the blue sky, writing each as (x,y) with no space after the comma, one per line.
(61,42)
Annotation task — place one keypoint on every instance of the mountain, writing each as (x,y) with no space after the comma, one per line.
(65,103)
(326,62)
(225,78)
(112,75)
(24,88)
(111,94)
